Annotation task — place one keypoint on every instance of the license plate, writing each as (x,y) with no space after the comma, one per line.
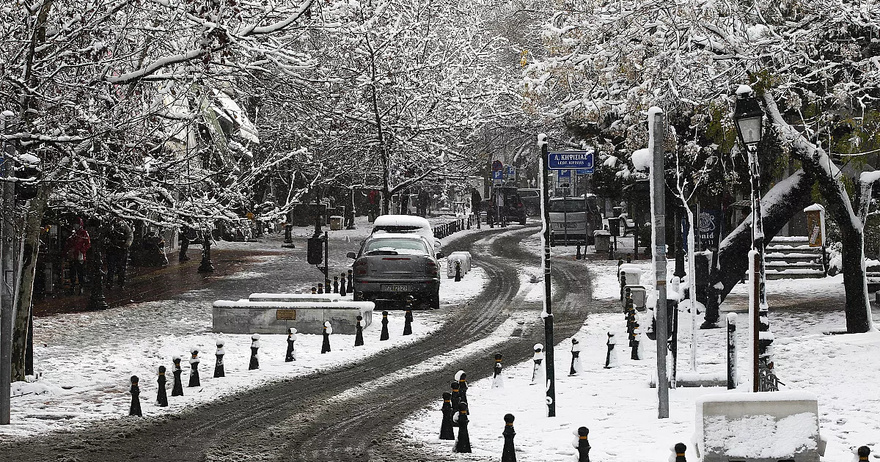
(396,288)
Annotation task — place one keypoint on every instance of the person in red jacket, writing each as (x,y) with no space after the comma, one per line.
(78,243)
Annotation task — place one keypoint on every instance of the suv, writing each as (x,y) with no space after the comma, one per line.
(573,219)
(393,267)
(511,207)
(531,199)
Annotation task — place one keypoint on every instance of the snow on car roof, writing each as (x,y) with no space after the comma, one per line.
(401,220)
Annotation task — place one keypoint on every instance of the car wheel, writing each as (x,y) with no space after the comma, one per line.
(434,301)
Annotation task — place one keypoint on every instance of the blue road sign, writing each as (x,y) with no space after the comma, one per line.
(584,171)
(563,174)
(582,160)
(497,175)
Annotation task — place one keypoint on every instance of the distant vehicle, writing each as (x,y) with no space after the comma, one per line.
(391,267)
(531,199)
(573,219)
(510,207)
(407,224)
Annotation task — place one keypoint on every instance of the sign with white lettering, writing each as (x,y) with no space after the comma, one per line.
(582,160)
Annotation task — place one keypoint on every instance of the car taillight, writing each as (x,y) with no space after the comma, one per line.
(360,267)
(431,268)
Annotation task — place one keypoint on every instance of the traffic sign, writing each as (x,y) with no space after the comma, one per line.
(497,175)
(497,166)
(563,173)
(582,160)
(511,173)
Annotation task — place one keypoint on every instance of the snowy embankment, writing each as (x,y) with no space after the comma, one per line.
(620,409)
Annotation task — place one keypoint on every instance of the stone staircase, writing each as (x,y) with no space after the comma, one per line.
(793,258)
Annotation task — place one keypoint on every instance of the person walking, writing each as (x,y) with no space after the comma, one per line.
(78,243)
(119,238)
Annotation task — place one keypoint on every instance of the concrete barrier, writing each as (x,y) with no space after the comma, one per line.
(291,297)
(460,256)
(276,317)
(777,426)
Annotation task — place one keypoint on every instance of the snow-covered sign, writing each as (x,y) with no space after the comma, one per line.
(582,160)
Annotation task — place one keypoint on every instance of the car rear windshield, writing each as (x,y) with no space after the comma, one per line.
(392,246)
(568,205)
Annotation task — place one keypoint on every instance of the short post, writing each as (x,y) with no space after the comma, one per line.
(325,346)
(408,319)
(455,396)
(219,368)
(636,353)
(194,368)
(255,347)
(508,454)
(350,276)
(863,452)
(384,334)
(446,432)
(135,408)
(290,356)
(314,290)
(161,396)
(578,255)
(343,289)
(497,378)
(177,387)
(731,351)
(582,444)
(463,443)
(537,370)
(359,331)
(611,354)
(462,386)
(335,284)
(679,450)
(622,276)
(575,357)
(320,287)
(457,271)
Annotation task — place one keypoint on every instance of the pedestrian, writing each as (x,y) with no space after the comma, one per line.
(462,386)
(194,368)
(184,244)
(446,432)
(508,454)
(177,388)
(161,396)
(463,442)
(219,368)
(78,244)
(119,239)
(582,444)
(255,347)
(384,334)
(575,357)
(359,331)
(538,370)
(325,347)
(497,379)
(611,354)
(135,408)
(291,348)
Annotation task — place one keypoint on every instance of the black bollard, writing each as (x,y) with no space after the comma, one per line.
(161,396)
(578,254)
(342,287)
(622,276)
(177,388)
(679,450)
(455,396)
(636,341)
(384,334)
(314,290)
(537,370)
(350,276)
(291,348)
(462,386)
(359,331)
(320,287)
(497,378)
(135,408)
(219,368)
(408,319)
(575,357)
(630,314)
(508,454)
(457,271)
(582,444)
(194,368)
(335,284)
(463,443)
(863,452)
(325,347)
(611,354)
(255,346)
(446,432)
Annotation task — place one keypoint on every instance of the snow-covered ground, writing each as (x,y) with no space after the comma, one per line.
(86,360)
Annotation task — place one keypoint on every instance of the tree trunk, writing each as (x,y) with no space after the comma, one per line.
(23,311)
(733,251)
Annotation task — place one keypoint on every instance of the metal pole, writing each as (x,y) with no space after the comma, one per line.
(548,313)
(761,320)
(658,189)
(7,294)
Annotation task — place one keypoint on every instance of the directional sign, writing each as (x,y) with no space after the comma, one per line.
(582,160)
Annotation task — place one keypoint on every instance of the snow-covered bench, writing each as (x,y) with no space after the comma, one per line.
(275,317)
(461,257)
(758,427)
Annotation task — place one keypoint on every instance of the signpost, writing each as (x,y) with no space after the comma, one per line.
(580,160)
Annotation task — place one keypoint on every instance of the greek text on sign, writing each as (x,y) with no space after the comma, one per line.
(582,160)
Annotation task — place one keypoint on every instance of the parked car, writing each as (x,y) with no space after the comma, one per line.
(531,199)
(573,219)
(510,208)
(407,224)
(391,267)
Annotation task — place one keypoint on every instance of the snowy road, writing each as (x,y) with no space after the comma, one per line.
(347,413)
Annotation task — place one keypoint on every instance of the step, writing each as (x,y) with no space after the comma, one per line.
(794,274)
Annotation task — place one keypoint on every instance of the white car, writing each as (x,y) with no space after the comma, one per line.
(407,224)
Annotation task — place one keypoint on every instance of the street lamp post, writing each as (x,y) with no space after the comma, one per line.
(548,311)
(748,118)
(7,289)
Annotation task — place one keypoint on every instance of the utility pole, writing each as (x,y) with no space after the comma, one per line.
(548,313)
(658,196)
(7,273)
